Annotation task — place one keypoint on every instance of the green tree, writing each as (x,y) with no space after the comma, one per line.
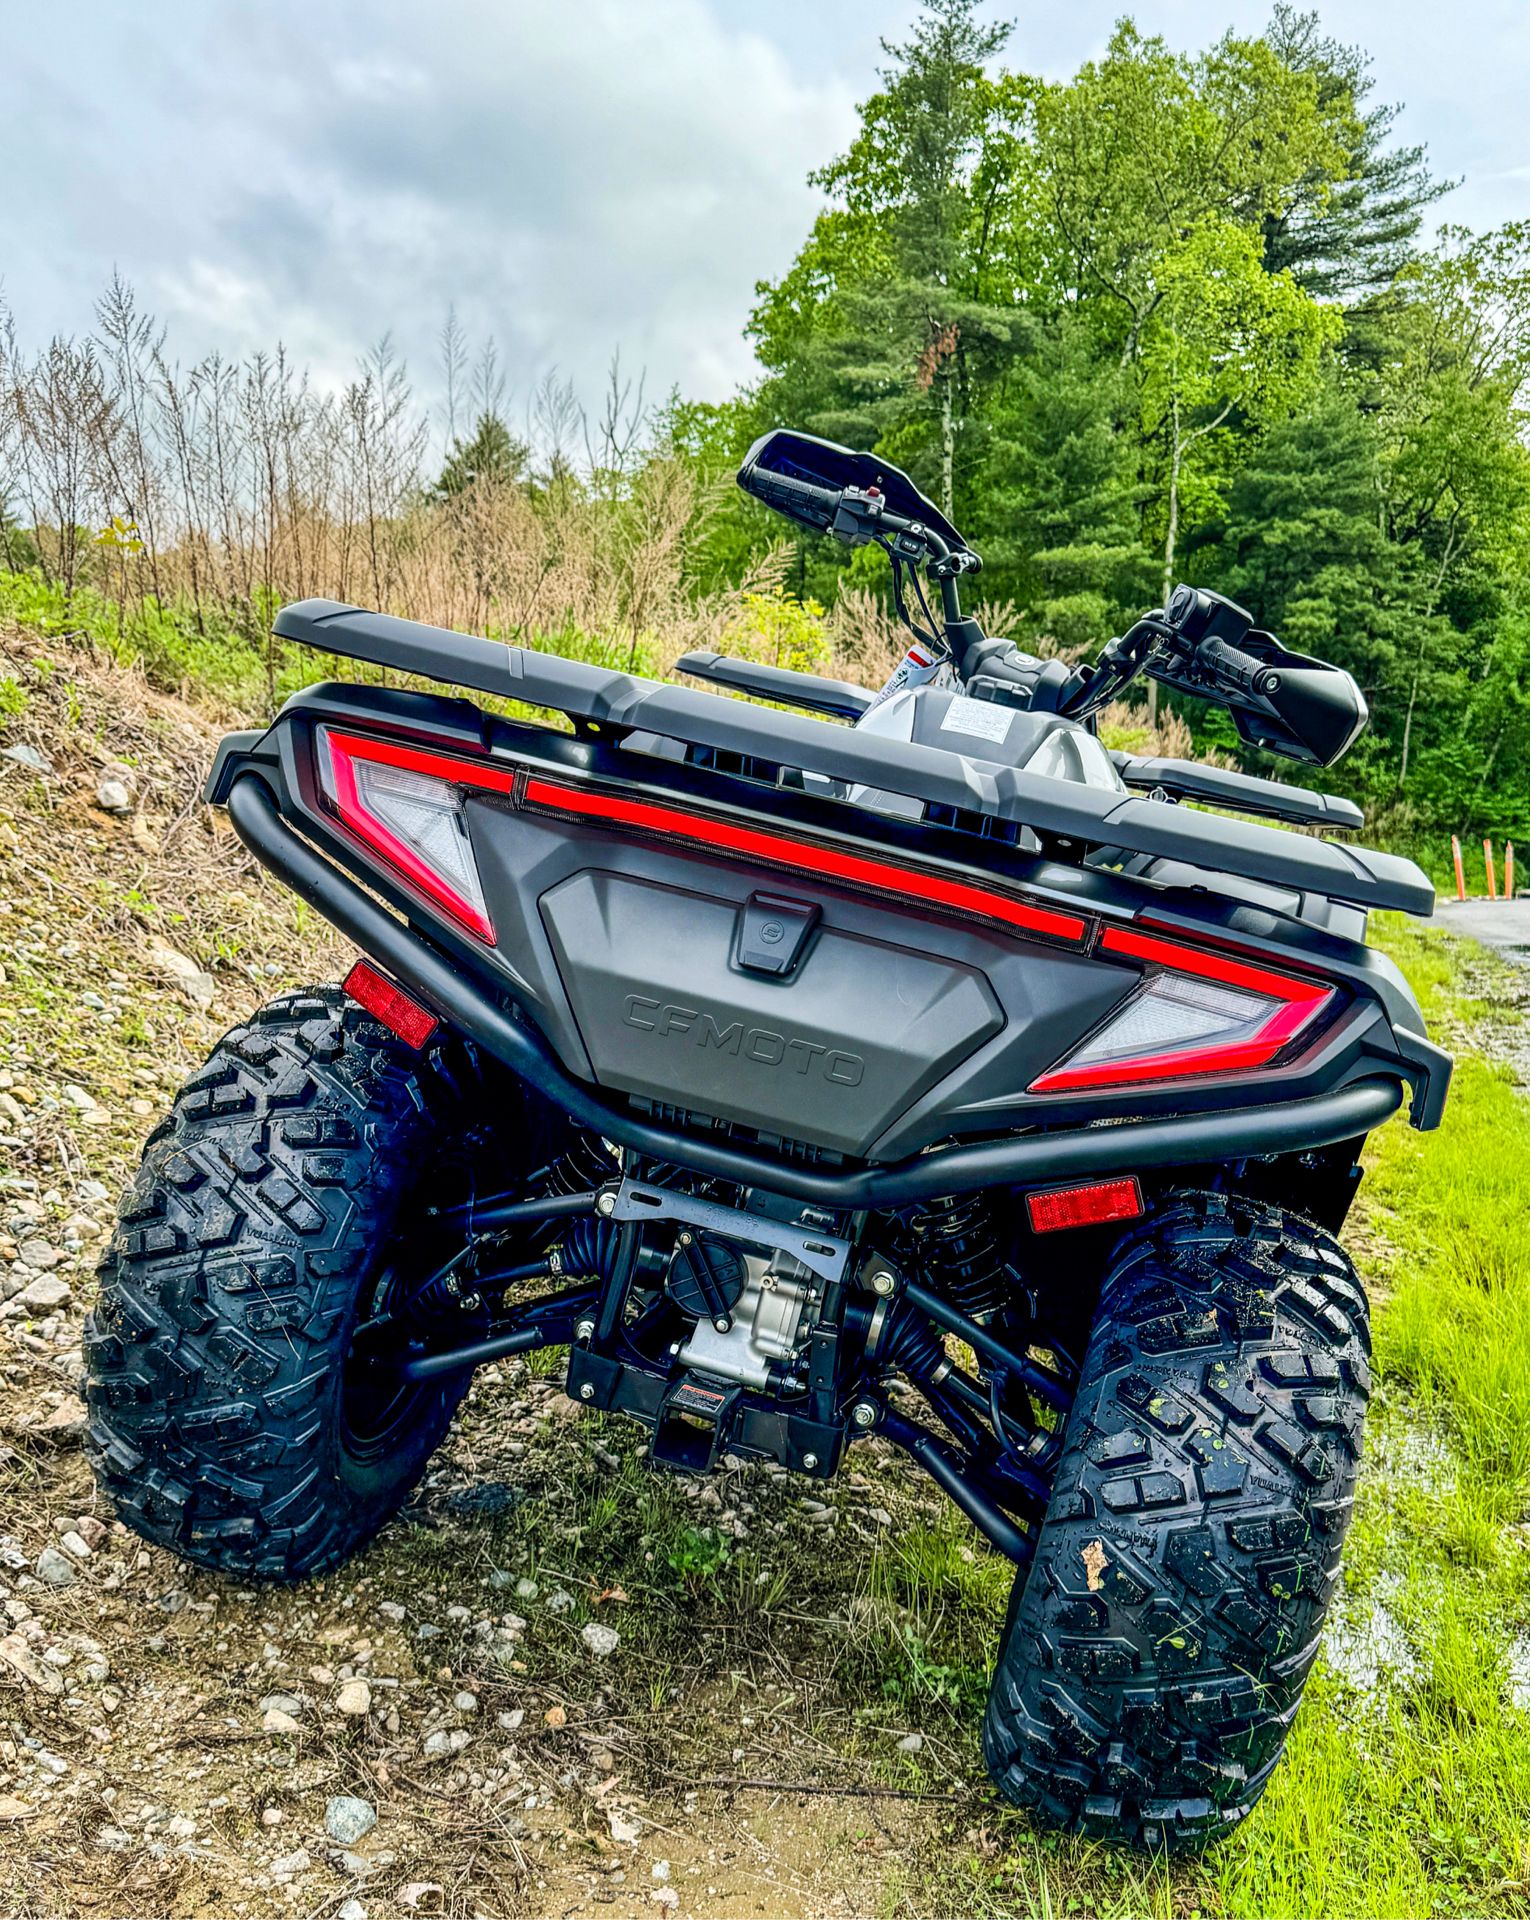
(1223,336)
(492,455)
(1355,234)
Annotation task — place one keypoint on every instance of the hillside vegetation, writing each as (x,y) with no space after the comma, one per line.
(1178,316)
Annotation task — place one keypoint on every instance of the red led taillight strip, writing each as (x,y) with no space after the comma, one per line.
(1300,1002)
(806,856)
(345,749)
(674,823)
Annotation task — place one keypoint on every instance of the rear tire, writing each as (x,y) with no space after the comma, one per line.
(1156,1648)
(226,1419)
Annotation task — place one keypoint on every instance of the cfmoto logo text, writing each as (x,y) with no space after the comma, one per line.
(762,1045)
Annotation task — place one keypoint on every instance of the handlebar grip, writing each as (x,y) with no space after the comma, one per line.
(1233,671)
(785,485)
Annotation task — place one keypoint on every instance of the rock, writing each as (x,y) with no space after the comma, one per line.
(660,1869)
(56,1569)
(291,1865)
(347,1819)
(444,1742)
(113,797)
(91,1530)
(465,1702)
(73,1545)
(64,1423)
(526,1589)
(601,1640)
(114,1839)
(45,1294)
(354,1698)
(92,1192)
(352,1910)
(281,1703)
(391,1610)
(19,1657)
(183,973)
(624,1831)
(26,756)
(511,1720)
(423,1896)
(79,1099)
(560,1601)
(665,1897)
(555,1717)
(273,1720)
(911,1743)
(38,1255)
(271,1816)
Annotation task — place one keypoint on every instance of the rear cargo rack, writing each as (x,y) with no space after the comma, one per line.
(1068,813)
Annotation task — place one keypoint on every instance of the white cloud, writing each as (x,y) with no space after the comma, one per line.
(575,178)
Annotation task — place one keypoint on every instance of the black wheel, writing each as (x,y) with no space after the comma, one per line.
(1157,1646)
(232,1417)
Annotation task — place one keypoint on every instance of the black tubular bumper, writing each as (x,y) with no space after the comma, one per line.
(1023,1160)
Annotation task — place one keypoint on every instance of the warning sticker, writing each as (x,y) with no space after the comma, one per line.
(980,718)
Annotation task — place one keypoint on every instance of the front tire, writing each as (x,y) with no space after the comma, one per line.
(1157,1647)
(228,1420)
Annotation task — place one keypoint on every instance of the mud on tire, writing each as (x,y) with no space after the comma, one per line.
(1156,1649)
(220,1423)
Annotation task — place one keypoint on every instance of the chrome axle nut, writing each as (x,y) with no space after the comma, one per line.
(864,1414)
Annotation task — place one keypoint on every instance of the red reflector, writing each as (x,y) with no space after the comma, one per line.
(805,856)
(1087,1206)
(390,1004)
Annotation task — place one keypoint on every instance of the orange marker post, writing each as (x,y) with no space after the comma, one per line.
(1455,854)
(1508,870)
(1487,855)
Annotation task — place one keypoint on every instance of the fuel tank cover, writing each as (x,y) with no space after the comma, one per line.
(773,931)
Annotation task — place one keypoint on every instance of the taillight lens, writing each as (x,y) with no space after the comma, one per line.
(412,820)
(1196,1012)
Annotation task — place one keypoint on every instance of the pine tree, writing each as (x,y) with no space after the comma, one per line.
(493,455)
(1356,235)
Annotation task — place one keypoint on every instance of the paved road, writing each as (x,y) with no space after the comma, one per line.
(1504,924)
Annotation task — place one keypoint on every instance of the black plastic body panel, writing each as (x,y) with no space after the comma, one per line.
(842,699)
(1244,792)
(1046,994)
(1061,809)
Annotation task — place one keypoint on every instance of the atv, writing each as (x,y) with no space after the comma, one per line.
(814,1065)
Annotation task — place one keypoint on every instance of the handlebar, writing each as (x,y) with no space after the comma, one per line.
(786,486)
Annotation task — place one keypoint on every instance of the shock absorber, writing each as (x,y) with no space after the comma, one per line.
(958,1241)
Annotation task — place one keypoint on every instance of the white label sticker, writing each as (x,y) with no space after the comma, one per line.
(981,718)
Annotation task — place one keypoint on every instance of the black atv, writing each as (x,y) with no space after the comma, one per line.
(941,1076)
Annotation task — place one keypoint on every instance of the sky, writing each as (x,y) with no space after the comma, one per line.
(574,176)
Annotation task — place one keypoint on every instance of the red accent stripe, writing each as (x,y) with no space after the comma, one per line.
(805,856)
(1300,1000)
(345,750)
(1090,1205)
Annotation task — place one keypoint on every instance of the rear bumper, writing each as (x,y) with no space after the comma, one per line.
(1031,1159)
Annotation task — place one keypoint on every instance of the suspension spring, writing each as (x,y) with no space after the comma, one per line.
(959,1249)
